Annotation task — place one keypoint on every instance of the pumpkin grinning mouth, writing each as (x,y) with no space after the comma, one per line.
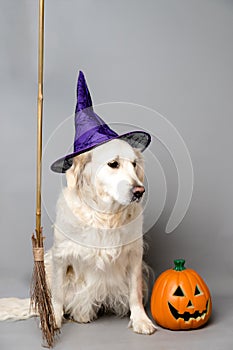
(187,316)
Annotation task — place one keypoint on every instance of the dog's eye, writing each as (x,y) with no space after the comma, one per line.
(114,164)
(134,164)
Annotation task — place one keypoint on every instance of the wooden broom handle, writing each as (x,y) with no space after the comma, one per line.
(39,121)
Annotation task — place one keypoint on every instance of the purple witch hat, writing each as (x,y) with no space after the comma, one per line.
(91,131)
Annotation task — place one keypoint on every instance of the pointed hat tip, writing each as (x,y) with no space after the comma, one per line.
(81,75)
(83,95)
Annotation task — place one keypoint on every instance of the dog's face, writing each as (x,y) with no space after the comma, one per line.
(112,171)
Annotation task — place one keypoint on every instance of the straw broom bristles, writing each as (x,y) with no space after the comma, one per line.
(41,296)
(41,300)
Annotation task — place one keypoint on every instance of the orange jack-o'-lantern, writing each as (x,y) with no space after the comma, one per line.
(180,299)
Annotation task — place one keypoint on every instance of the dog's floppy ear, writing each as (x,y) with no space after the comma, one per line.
(75,173)
(140,165)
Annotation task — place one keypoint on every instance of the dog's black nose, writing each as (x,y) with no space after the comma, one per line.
(138,191)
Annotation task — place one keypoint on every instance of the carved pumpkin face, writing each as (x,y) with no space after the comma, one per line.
(180,299)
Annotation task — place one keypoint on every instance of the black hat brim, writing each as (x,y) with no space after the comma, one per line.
(137,139)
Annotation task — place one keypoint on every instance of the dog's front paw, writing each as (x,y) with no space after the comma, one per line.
(142,325)
(83,317)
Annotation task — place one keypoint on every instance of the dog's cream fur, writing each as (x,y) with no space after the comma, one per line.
(96,261)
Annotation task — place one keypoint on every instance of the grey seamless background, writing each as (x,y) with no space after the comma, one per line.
(172,56)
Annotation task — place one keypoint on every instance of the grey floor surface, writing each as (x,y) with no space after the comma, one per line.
(109,332)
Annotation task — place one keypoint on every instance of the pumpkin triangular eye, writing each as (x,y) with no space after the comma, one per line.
(197,290)
(178,292)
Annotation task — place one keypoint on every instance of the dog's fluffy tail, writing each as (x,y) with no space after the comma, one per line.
(15,309)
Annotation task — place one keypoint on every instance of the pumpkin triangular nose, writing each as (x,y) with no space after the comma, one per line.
(190,304)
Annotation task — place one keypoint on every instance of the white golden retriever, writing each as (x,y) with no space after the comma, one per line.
(96,262)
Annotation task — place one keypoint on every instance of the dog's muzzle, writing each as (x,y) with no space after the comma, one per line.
(137,192)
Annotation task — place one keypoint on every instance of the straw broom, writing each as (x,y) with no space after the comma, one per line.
(40,293)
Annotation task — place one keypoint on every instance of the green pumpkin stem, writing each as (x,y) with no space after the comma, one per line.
(179,265)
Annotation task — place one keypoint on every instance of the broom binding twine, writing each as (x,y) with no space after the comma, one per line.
(38,254)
